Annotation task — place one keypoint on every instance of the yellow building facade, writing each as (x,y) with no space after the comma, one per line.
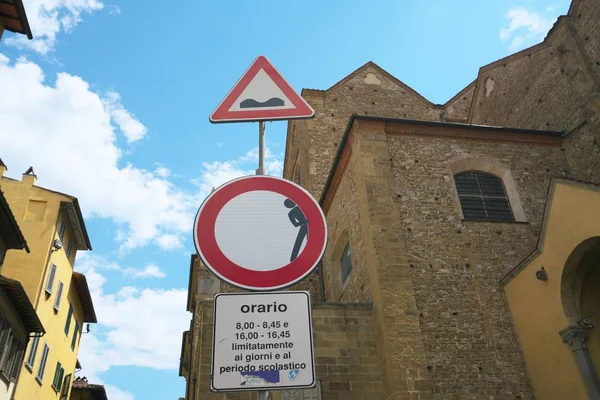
(554,296)
(55,229)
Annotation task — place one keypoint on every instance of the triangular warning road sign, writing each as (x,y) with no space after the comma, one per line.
(261,94)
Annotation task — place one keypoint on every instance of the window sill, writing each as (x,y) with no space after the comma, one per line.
(29,367)
(494,222)
(5,378)
(38,380)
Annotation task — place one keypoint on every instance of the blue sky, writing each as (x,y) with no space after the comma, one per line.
(113,104)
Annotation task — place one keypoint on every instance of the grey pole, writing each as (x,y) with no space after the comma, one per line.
(261,148)
(263,394)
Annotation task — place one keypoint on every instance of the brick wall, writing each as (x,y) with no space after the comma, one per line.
(346,353)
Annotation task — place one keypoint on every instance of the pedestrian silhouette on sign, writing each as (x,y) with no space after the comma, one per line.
(298,220)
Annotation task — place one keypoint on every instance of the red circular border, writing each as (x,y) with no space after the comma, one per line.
(217,262)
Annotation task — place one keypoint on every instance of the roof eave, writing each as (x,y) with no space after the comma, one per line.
(354,117)
(20,302)
(85,298)
(23,17)
(18,235)
(189,296)
(79,225)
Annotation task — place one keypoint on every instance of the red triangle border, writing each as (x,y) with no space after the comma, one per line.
(222,113)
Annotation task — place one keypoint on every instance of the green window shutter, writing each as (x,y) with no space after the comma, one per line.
(74,341)
(59,291)
(33,351)
(68,323)
(58,376)
(64,394)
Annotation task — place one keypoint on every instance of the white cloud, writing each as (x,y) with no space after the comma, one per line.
(94,263)
(83,158)
(114,393)
(133,129)
(524,28)
(137,326)
(169,242)
(114,10)
(47,18)
(150,271)
(162,171)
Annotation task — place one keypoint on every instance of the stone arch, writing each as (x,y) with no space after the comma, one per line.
(494,168)
(578,265)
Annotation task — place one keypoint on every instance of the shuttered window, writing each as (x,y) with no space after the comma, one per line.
(69,248)
(483,197)
(40,374)
(346,263)
(11,351)
(61,231)
(59,291)
(17,361)
(68,323)
(8,355)
(64,393)
(58,377)
(50,281)
(75,333)
(32,351)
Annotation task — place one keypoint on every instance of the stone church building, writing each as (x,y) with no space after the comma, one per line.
(463,259)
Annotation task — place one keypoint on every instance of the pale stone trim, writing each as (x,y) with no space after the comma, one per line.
(494,168)
(540,246)
(576,336)
(336,257)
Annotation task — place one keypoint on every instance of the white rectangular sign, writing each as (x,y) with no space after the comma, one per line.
(262,341)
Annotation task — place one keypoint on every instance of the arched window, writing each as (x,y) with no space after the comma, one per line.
(346,263)
(482,197)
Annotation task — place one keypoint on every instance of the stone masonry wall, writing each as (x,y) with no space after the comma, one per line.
(457,108)
(346,355)
(586,18)
(343,223)
(368,91)
(555,85)
(456,265)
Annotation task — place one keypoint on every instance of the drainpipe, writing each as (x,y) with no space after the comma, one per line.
(321,281)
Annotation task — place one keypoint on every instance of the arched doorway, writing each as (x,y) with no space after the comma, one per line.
(580,291)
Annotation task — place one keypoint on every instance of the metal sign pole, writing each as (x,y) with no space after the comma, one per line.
(261,148)
(262,394)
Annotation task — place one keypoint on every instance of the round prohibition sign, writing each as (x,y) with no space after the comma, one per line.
(260,232)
